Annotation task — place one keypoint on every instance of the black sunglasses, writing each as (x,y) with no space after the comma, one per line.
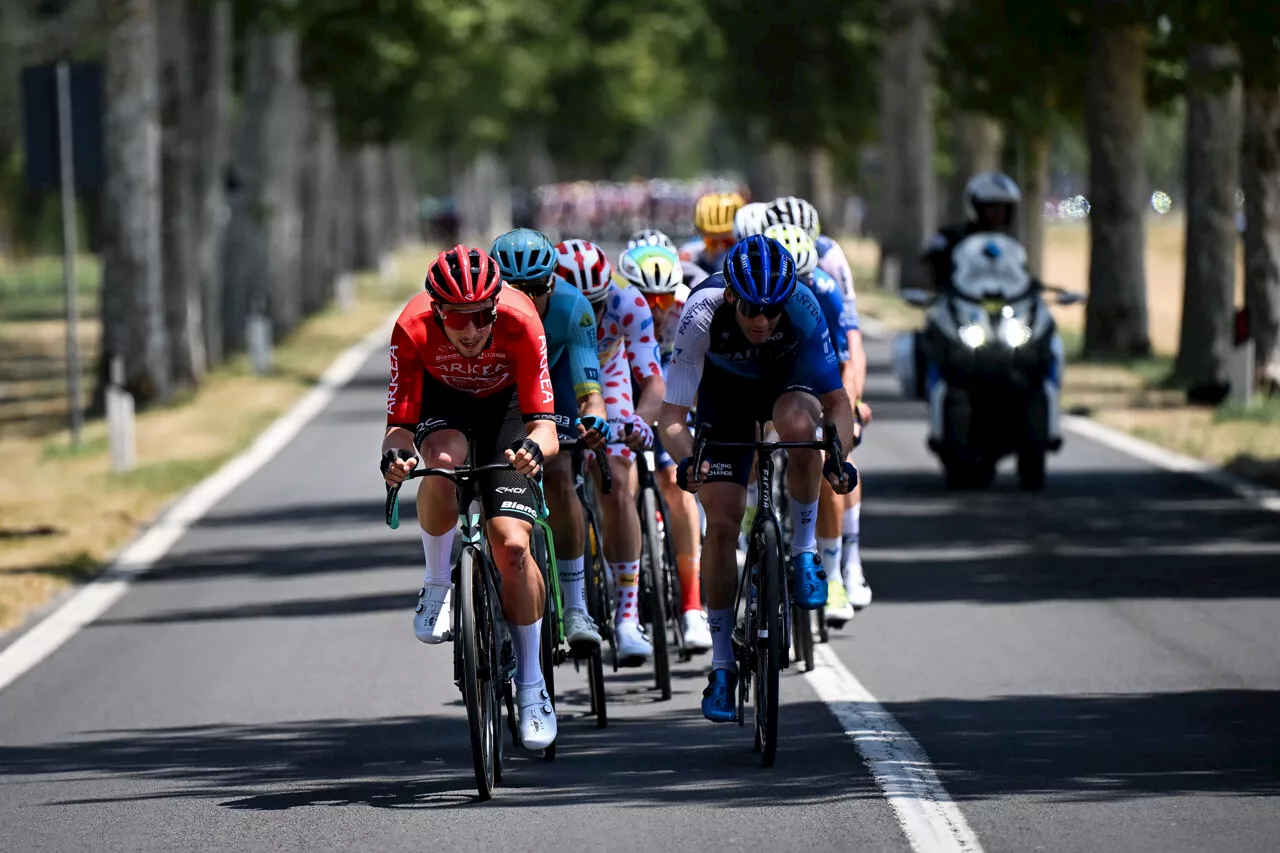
(534,287)
(771,312)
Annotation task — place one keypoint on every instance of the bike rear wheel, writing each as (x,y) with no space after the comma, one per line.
(480,675)
(768,643)
(651,566)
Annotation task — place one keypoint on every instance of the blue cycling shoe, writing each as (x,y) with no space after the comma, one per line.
(719,702)
(808,581)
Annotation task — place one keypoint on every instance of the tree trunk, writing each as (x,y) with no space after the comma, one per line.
(209,134)
(822,189)
(1115,120)
(908,190)
(264,243)
(368,207)
(1213,168)
(406,194)
(1038,145)
(1262,229)
(320,198)
(183,322)
(346,220)
(133,315)
(977,141)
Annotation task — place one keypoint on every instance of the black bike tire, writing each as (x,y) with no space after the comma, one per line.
(769,647)
(597,607)
(672,590)
(802,631)
(549,616)
(656,594)
(476,696)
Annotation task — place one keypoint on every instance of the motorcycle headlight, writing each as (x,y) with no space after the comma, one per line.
(972,336)
(1015,333)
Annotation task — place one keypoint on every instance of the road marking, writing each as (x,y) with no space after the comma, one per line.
(136,558)
(931,820)
(1258,495)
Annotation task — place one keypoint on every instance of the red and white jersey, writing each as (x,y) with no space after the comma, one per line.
(516,354)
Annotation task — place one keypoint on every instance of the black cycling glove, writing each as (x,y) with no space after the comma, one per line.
(531,446)
(391,456)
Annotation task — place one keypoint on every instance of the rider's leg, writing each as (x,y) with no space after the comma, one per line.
(796,415)
(621,531)
(855,583)
(523,600)
(830,507)
(569,531)
(437,506)
(685,529)
(724,504)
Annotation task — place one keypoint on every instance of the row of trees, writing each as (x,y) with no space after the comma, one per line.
(311,121)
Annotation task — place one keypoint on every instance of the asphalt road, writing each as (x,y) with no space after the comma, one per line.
(1093,668)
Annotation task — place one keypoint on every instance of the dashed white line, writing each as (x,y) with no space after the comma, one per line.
(931,820)
(48,635)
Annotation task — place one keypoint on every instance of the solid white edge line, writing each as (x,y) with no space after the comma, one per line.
(1257,494)
(930,819)
(137,557)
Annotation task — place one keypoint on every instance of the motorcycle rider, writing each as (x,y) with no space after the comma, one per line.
(991,201)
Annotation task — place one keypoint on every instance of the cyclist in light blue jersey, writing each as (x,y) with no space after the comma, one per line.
(527,259)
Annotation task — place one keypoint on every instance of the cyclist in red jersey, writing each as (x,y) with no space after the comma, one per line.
(469,361)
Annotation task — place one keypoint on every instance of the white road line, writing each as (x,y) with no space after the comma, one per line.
(1258,495)
(44,638)
(930,819)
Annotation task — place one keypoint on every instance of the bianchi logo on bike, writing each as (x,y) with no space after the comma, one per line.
(509,490)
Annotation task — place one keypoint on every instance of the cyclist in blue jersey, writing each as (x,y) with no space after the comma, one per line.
(752,346)
(838,534)
(527,259)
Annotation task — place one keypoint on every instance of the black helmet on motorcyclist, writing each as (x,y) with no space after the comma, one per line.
(991,199)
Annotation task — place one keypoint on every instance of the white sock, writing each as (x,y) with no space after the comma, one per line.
(830,551)
(437,550)
(572,582)
(721,622)
(849,524)
(804,521)
(527,640)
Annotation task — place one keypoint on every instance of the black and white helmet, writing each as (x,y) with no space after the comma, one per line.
(650,237)
(990,188)
(790,210)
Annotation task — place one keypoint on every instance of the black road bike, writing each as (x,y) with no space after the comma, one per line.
(762,606)
(483,659)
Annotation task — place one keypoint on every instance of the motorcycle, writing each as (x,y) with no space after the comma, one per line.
(988,362)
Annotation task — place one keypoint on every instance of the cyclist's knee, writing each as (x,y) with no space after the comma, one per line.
(794,418)
(443,449)
(509,544)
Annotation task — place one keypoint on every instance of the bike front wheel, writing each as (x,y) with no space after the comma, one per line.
(480,675)
(768,643)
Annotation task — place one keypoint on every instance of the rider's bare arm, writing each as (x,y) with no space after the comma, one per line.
(652,390)
(837,408)
(674,429)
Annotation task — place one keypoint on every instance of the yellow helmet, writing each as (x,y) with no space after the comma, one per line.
(713,213)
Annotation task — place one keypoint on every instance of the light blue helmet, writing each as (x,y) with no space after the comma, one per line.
(527,259)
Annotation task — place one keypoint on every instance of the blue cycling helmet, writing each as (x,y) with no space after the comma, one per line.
(525,256)
(760,271)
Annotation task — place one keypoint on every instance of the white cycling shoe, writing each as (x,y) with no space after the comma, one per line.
(537,718)
(431,616)
(634,647)
(697,632)
(580,632)
(856,587)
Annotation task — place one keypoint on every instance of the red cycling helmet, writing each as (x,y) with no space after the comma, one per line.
(462,276)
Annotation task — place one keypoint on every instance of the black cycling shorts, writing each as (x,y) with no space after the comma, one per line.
(734,406)
(494,423)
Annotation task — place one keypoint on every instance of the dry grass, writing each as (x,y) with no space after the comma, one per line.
(63,511)
(1127,396)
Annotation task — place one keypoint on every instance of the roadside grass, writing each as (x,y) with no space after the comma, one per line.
(62,509)
(1131,395)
